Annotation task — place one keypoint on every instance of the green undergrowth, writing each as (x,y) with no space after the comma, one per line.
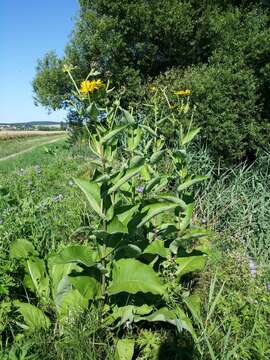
(38,201)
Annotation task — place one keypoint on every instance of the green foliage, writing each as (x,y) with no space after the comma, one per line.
(239,193)
(120,272)
(50,85)
(236,310)
(226,97)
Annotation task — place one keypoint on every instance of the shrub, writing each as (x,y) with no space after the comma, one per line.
(227,107)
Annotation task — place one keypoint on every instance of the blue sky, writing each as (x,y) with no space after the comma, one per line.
(28,29)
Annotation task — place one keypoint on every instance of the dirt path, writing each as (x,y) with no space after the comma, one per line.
(31,148)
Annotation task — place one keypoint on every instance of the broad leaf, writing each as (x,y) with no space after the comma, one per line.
(128,251)
(124,349)
(88,286)
(188,215)
(189,136)
(116,226)
(128,175)
(156,209)
(126,313)
(92,193)
(58,272)
(193,303)
(175,317)
(125,214)
(76,254)
(152,183)
(21,249)
(132,276)
(156,156)
(190,182)
(134,141)
(112,133)
(36,278)
(128,116)
(72,302)
(34,318)
(157,248)
(190,264)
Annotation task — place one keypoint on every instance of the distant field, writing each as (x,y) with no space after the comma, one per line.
(38,155)
(17,144)
(6,135)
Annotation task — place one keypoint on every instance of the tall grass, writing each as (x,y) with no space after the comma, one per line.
(235,203)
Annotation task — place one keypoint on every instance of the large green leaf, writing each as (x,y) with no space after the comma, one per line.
(120,315)
(193,303)
(36,278)
(76,254)
(92,193)
(190,182)
(189,136)
(128,251)
(190,264)
(112,133)
(34,318)
(156,156)
(124,349)
(88,286)
(116,226)
(175,317)
(157,247)
(128,116)
(58,272)
(69,300)
(187,218)
(132,276)
(152,183)
(126,213)
(135,140)
(73,302)
(21,249)
(163,314)
(156,209)
(133,171)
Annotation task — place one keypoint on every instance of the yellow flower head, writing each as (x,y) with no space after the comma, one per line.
(88,86)
(186,92)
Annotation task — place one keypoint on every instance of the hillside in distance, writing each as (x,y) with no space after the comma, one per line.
(33,123)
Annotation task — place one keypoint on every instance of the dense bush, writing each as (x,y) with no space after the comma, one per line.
(226,96)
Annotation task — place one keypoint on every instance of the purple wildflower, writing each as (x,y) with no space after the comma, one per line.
(140,189)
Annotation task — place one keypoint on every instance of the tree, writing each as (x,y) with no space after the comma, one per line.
(51,85)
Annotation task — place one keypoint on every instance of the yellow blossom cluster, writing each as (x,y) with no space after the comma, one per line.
(88,86)
(186,92)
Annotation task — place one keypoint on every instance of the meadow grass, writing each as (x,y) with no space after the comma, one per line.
(11,146)
(38,155)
